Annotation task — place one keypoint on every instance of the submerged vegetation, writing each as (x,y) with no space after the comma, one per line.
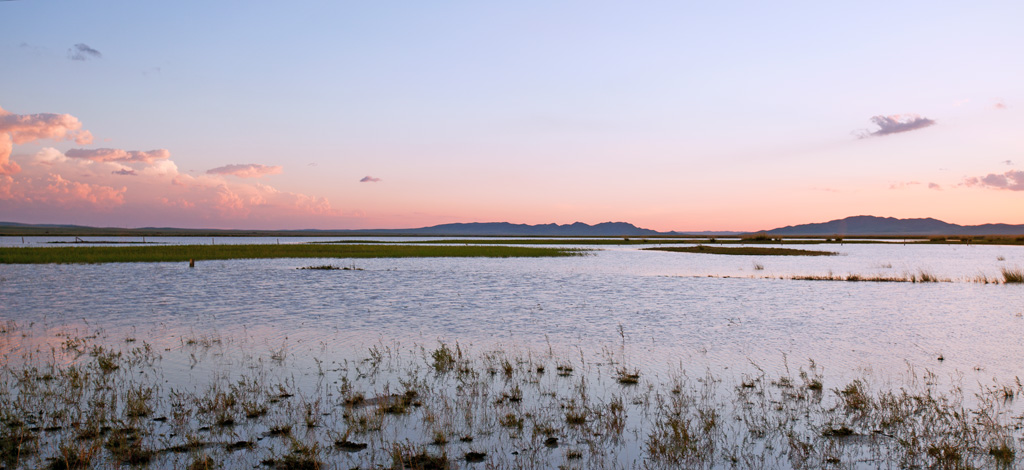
(330,267)
(444,406)
(748,251)
(919,276)
(184,253)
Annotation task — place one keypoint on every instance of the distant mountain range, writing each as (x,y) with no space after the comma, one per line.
(489,229)
(861,225)
(486,229)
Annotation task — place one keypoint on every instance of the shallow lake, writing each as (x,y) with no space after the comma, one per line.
(668,309)
(655,311)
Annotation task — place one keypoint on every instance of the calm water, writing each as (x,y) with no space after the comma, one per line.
(670,311)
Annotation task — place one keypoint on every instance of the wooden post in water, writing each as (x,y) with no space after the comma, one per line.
(191,262)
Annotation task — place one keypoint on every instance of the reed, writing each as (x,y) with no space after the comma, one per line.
(59,414)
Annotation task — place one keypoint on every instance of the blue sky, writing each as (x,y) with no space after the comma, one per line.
(671,116)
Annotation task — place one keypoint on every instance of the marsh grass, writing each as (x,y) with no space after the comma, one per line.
(400,410)
(330,267)
(627,376)
(743,251)
(920,276)
(1012,275)
(184,253)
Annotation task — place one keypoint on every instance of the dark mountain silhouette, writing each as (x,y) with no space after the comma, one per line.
(861,225)
(578,229)
(869,225)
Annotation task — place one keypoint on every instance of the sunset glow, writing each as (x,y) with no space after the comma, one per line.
(327,115)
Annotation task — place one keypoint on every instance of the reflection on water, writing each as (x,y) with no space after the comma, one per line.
(673,317)
(668,308)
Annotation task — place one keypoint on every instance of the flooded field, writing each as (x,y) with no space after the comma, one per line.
(620,359)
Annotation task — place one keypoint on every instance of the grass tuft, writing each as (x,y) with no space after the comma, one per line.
(1013,275)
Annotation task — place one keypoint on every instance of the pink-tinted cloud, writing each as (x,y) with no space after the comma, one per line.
(999,104)
(935,186)
(84,185)
(65,191)
(904,184)
(1007,162)
(1012,180)
(54,191)
(369,179)
(7,167)
(118,155)
(24,128)
(248,170)
(157,193)
(895,124)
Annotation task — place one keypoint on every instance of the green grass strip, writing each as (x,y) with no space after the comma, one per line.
(748,251)
(178,253)
(525,241)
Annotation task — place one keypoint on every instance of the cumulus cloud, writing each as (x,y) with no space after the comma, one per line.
(54,190)
(49,156)
(1012,180)
(83,52)
(24,128)
(7,167)
(118,155)
(139,187)
(369,179)
(895,124)
(247,170)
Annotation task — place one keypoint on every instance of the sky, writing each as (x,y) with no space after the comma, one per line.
(669,115)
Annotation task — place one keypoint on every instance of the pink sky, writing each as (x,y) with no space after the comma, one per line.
(119,187)
(673,116)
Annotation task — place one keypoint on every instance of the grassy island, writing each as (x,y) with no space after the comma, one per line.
(748,251)
(183,253)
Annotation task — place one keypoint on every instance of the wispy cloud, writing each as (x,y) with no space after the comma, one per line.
(895,124)
(369,179)
(246,170)
(124,172)
(118,155)
(935,186)
(1007,162)
(1012,180)
(83,52)
(904,184)
(1000,104)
